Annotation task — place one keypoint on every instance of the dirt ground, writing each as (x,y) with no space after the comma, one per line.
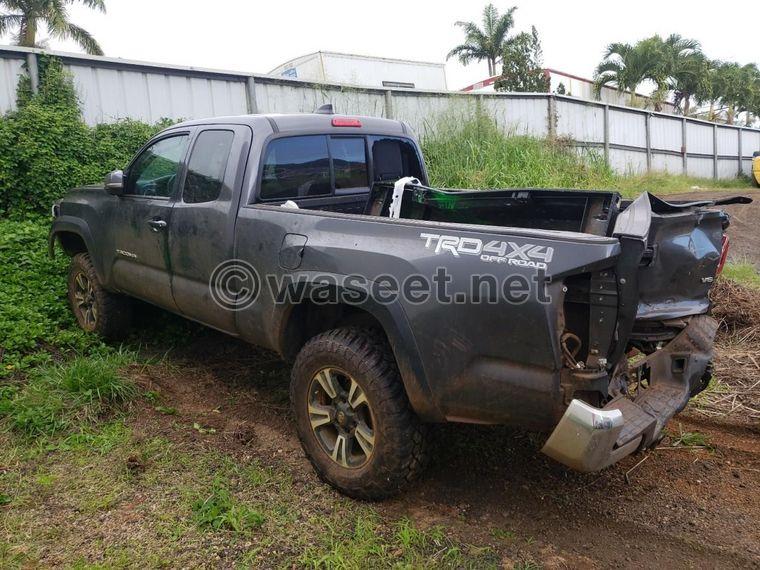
(490,486)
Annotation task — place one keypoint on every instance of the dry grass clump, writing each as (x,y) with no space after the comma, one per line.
(737,307)
(735,386)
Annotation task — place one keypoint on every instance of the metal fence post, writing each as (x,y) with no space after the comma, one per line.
(250,95)
(34,71)
(607,135)
(389,104)
(715,151)
(552,116)
(741,170)
(648,136)
(684,153)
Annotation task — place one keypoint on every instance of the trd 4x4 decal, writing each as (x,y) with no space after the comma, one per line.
(494,251)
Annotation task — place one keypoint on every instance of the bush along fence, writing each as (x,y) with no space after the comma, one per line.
(46,147)
(630,140)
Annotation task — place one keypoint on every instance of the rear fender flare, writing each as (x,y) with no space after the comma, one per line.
(392,319)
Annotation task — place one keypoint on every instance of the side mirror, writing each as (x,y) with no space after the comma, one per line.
(115,183)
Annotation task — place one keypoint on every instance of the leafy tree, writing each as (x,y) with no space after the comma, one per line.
(561,89)
(522,70)
(25,17)
(488,43)
(626,66)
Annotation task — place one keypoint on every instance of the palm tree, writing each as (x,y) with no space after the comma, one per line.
(683,69)
(487,43)
(26,16)
(734,89)
(626,66)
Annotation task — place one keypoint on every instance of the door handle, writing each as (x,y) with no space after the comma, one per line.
(157,225)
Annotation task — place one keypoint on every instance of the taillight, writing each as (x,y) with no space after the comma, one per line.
(723,254)
(346,122)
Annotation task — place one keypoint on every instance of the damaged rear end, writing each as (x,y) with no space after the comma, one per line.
(638,338)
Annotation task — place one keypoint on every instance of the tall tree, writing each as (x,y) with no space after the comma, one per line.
(523,65)
(488,43)
(626,66)
(682,69)
(734,89)
(24,17)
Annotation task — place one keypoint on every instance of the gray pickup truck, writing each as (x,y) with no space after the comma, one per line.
(575,313)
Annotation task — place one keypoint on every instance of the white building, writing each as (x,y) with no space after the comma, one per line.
(576,87)
(366,71)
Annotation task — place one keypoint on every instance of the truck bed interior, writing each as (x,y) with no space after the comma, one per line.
(591,212)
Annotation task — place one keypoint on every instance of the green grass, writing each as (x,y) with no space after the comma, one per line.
(476,154)
(743,273)
(65,397)
(689,439)
(218,510)
(36,323)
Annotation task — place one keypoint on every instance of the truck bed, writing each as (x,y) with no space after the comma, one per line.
(591,212)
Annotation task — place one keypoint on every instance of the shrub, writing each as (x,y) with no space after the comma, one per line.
(46,148)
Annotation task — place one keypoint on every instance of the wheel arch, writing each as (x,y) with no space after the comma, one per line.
(73,236)
(299,322)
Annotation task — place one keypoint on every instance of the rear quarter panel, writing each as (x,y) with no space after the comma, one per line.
(478,361)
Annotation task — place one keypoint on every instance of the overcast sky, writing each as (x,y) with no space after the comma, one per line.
(257,36)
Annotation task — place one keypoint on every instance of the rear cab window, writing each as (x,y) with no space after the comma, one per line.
(312,166)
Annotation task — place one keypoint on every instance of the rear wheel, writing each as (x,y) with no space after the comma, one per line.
(96,309)
(352,414)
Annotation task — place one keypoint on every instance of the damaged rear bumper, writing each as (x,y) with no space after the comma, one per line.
(588,438)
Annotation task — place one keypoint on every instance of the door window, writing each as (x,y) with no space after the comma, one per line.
(207,166)
(154,172)
(296,167)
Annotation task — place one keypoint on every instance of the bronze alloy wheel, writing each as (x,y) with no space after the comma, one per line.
(341,418)
(85,302)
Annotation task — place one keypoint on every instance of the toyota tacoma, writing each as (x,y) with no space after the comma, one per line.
(576,313)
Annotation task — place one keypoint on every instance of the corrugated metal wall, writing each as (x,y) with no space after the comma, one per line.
(10,71)
(632,140)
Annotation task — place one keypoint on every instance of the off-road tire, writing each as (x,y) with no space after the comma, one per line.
(114,312)
(400,449)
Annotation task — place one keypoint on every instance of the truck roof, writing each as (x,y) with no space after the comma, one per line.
(300,122)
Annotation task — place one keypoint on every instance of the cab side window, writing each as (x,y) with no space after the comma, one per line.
(154,172)
(296,167)
(207,166)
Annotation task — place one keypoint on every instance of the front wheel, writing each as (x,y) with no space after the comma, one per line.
(353,416)
(96,309)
